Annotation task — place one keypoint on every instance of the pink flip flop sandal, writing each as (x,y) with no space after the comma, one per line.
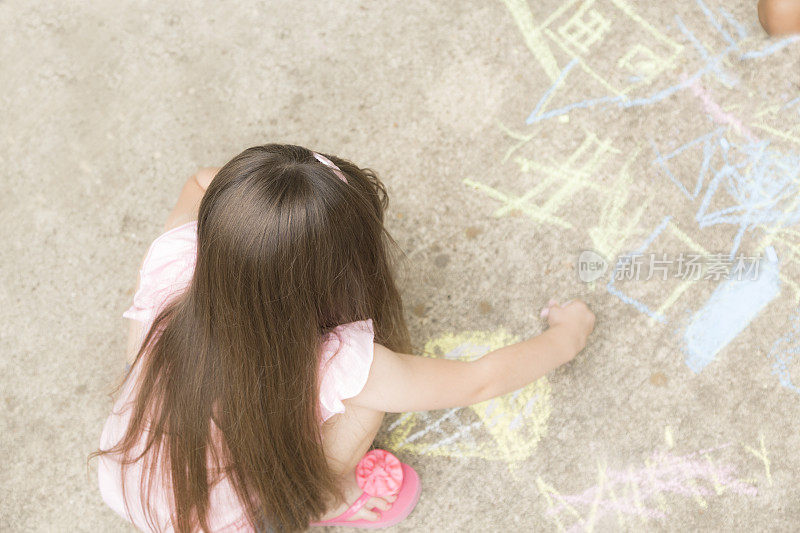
(380,473)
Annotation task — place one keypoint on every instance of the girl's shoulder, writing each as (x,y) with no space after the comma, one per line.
(167,269)
(346,358)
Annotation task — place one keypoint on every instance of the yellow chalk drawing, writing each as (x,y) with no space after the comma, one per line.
(601,482)
(616,223)
(650,468)
(719,488)
(533,37)
(637,497)
(701,502)
(507,428)
(549,493)
(761,454)
(584,28)
(580,28)
(778,133)
(680,289)
(582,63)
(776,115)
(521,137)
(640,60)
(578,172)
(670,440)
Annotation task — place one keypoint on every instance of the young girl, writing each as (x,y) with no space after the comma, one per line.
(267,342)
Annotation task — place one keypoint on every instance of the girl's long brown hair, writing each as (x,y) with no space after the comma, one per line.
(286,251)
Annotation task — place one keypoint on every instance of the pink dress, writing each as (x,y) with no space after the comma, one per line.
(167,270)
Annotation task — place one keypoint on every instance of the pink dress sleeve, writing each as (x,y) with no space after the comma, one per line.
(167,270)
(344,364)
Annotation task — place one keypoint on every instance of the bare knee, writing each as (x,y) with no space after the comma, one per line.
(347,436)
(779,17)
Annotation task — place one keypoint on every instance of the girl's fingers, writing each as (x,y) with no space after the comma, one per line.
(546,311)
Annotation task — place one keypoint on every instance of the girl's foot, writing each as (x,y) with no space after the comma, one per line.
(371,510)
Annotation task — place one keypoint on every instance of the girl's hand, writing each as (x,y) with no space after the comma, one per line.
(573,316)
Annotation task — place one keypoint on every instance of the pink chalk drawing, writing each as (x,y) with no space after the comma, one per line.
(715,111)
(641,492)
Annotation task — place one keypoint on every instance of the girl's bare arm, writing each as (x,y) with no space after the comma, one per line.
(402,382)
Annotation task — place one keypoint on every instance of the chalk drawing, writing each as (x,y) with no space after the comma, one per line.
(758,187)
(713,109)
(584,34)
(712,63)
(761,455)
(784,354)
(584,28)
(762,187)
(569,177)
(650,54)
(507,428)
(771,49)
(741,182)
(533,36)
(634,495)
(761,182)
(732,306)
(707,141)
(729,310)
(658,314)
(617,222)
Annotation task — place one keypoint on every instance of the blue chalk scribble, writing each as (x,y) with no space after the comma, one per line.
(611,287)
(783,352)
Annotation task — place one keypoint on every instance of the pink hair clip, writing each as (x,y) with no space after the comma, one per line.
(327,162)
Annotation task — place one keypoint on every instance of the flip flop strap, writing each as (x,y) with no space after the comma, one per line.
(353,509)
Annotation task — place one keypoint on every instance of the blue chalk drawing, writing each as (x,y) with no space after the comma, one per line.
(783,352)
(729,310)
(760,180)
(623,260)
(740,30)
(769,50)
(708,151)
(761,184)
(552,89)
(714,22)
(713,63)
(791,103)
